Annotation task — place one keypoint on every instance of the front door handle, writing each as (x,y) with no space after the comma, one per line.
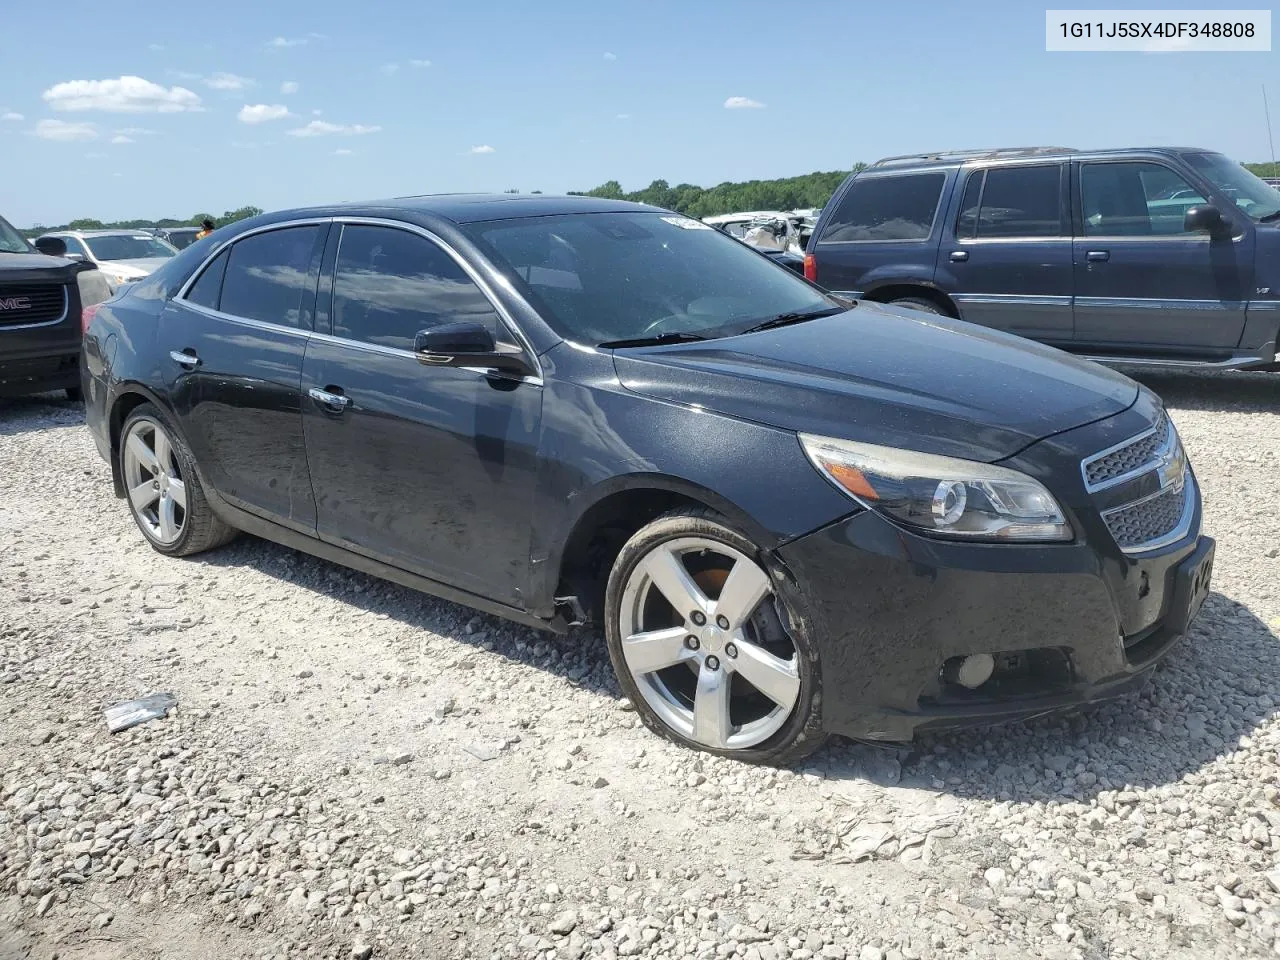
(329,400)
(959,256)
(185,358)
(1098,256)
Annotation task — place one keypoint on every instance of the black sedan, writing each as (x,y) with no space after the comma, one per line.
(790,516)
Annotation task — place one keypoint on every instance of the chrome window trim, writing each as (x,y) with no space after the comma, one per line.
(1160,456)
(1192,499)
(249,321)
(213,254)
(476,278)
(67,306)
(410,355)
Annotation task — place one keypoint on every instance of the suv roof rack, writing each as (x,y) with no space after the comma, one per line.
(980,154)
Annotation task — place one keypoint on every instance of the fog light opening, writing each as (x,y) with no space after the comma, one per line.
(971,671)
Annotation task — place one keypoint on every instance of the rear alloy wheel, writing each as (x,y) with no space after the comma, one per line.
(700,643)
(163,491)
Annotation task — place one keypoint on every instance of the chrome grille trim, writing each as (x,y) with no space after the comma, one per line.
(1130,458)
(1157,520)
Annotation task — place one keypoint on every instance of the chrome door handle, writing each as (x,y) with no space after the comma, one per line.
(959,256)
(184,358)
(1098,256)
(335,402)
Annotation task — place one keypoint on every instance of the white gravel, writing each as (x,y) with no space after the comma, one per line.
(357,770)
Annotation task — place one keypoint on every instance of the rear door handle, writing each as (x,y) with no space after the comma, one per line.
(959,256)
(329,400)
(185,358)
(1098,256)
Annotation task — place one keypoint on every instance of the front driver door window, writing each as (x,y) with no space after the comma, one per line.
(428,468)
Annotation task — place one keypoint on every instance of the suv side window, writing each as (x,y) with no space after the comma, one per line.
(887,208)
(1134,199)
(268,274)
(389,284)
(1008,202)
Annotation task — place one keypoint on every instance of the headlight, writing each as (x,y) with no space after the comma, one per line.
(940,495)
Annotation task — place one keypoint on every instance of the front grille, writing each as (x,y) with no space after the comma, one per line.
(1146,521)
(21,306)
(1134,455)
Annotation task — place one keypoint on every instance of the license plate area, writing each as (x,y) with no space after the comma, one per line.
(1191,586)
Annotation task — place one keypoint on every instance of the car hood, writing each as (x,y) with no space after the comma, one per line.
(35,267)
(889,376)
(143,266)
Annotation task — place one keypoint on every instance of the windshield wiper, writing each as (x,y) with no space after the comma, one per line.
(671,337)
(1269,217)
(786,319)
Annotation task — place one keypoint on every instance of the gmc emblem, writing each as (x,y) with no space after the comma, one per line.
(15,303)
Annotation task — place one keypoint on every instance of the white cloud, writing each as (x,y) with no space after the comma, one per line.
(624,116)
(743,103)
(262,112)
(289,86)
(389,68)
(64,132)
(483,148)
(135,132)
(227,81)
(121,138)
(342,152)
(283,43)
(155,47)
(611,56)
(419,63)
(322,128)
(184,75)
(316,113)
(12,115)
(122,95)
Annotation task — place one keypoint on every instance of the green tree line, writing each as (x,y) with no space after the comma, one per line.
(788,193)
(230,216)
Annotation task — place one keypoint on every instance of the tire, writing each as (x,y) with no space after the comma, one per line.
(919,303)
(75,394)
(171,509)
(667,676)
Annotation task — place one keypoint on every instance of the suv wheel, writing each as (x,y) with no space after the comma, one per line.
(164,493)
(919,303)
(703,646)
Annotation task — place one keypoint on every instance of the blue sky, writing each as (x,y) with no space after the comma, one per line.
(564,94)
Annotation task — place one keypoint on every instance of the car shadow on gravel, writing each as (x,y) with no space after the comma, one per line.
(1217,686)
(1222,392)
(30,414)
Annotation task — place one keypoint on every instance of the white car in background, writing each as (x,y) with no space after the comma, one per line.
(123,256)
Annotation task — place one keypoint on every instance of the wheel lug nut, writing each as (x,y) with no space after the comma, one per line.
(713,663)
(730,650)
(691,643)
(698,617)
(722,623)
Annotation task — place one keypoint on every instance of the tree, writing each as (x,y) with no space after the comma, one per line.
(85,224)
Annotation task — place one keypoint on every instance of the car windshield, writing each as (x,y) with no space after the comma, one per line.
(604,277)
(10,240)
(181,239)
(128,246)
(1246,191)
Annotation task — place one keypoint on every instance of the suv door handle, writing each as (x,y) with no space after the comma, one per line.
(329,400)
(1098,256)
(185,358)
(959,256)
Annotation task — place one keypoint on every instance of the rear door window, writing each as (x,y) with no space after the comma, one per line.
(268,276)
(206,291)
(390,284)
(887,208)
(1012,202)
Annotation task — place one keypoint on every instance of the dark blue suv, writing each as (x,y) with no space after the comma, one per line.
(1163,256)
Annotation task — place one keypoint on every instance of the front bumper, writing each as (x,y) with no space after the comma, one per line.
(1067,624)
(39,374)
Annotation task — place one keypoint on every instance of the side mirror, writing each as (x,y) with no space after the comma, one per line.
(468,344)
(52,246)
(1204,217)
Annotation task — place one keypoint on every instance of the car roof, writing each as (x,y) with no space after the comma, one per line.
(466,207)
(951,158)
(97,233)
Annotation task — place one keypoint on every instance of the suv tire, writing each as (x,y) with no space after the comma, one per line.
(919,303)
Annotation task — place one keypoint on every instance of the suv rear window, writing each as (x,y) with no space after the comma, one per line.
(887,208)
(1015,202)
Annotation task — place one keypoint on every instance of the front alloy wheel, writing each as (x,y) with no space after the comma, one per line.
(699,644)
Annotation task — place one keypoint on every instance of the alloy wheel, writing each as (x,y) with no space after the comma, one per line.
(704,644)
(154,483)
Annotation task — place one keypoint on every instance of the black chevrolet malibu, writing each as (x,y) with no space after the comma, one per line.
(792,515)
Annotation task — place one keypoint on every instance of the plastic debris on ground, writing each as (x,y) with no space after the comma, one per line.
(153,706)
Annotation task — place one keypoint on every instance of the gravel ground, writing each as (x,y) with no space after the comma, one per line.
(358,770)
